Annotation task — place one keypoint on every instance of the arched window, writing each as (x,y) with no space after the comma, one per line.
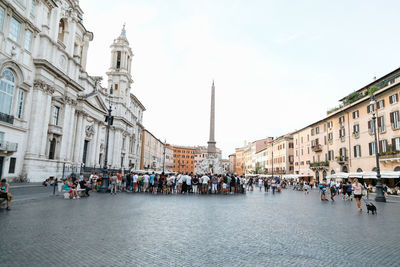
(374,169)
(7,88)
(344,169)
(397,169)
(324,174)
(317,175)
(359,170)
(332,172)
(61,30)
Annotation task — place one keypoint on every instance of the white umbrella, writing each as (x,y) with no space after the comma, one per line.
(339,175)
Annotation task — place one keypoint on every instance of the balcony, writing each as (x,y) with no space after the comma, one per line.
(55,129)
(341,159)
(321,165)
(390,156)
(8,147)
(6,118)
(316,148)
(356,134)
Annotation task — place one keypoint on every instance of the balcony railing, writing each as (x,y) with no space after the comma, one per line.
(356,134)
(316,148)
(319,164)
(8,147)
(342,159)
(6,118)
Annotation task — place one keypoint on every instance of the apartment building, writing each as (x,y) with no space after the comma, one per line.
(344,140)
(280,155)
(183,159)
(239,168)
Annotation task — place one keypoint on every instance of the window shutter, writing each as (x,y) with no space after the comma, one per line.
(395,97)
(390,100)
(370,148)
(383,103)
(380,145)
(359,151)
(379,121)
(369,125)
(355,151)
(391,117)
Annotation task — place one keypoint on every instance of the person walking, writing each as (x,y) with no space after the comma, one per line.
(322,186)
(358,188)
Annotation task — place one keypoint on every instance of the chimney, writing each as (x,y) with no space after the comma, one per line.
(374,79)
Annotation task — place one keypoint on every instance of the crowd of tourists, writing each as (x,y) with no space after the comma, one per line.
(181,183)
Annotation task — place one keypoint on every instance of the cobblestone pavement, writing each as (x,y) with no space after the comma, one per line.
(256,229)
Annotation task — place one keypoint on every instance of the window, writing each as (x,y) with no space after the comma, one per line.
(341,120)
(342,134)
(370,108)
(356,114)
(56,114)
(118,59)
(20,104)
(301,139)
(396,143)
(308,138)
(393,99)
(14,30)
(330,155)
(356,130)
(33,7)
(381,124)
(317,130)
(52,149)
(7,85)
(330,124)
(357,151)
(308,150)
(372,148)
(312,132)
(342,153)
(11,168)
(383,146)
(61,30)
(28,40)
(330,138)
(371,127)
(1,18)
(394,120)
(380,104)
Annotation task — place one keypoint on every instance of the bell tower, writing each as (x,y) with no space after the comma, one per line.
(119,73)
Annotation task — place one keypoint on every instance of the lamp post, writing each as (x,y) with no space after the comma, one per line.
(380,197)
(109,120)
(163,167)
(272,151)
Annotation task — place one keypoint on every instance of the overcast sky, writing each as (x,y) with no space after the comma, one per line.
(278,65)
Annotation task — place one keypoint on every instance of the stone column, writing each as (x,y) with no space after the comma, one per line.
(78,133)
(65,129)
(97,144)
(82,137)
(45,127)
(93,145)
(70,130)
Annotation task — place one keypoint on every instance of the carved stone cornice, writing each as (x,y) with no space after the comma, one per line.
(41,85)
(70,101)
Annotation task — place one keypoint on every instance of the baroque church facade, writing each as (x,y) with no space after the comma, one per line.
(52,112)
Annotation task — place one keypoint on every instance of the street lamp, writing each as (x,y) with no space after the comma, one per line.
(380,197)
(163,167)
(109,120)
(272,151)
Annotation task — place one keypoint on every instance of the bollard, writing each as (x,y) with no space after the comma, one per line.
(54,186)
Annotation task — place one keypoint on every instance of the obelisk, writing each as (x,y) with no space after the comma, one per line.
(212,150)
